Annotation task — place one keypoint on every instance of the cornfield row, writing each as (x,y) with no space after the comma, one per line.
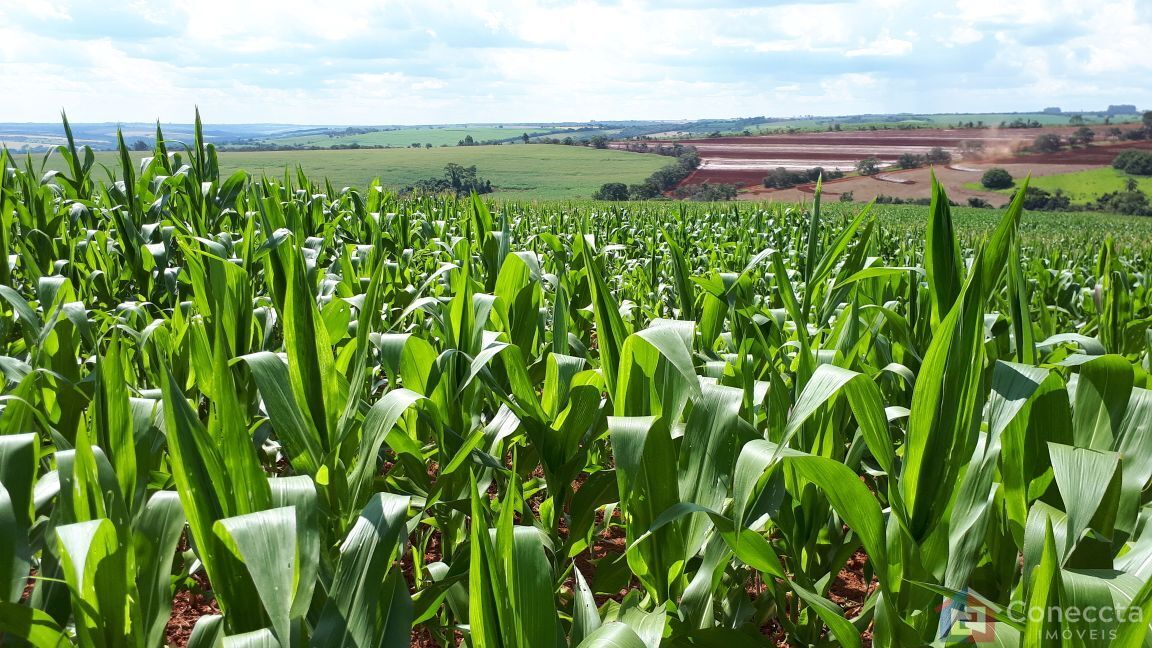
(349,419)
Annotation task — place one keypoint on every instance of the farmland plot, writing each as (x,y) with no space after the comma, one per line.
(342,418)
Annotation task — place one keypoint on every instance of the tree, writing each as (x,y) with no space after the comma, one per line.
(1147,120)
(868,166)
(937,156)
(1047,143)
(612,191)
(996,178)
(979,203)
(458,179)
(525,138)
(910,161)
(599,141)
(1076,120)
(141,145)
(467,141)
(846,197)
(1083,135)
(643,191)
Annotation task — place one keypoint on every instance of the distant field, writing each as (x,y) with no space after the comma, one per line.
(536,171)
(932,121)
(1082,186)
(435,136)
(1087,185)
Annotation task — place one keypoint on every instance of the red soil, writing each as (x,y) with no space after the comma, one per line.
(745,161)
(188,605)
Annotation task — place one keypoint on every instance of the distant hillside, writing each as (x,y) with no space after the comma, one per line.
(40,137)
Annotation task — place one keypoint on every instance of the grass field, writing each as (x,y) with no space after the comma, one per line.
(539,171)
(1082,186)
(434,135)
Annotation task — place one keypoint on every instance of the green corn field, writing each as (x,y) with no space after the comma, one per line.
(338,417)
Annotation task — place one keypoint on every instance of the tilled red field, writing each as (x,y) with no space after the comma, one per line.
(745,161)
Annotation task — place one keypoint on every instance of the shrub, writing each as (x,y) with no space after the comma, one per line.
(612,191)
(910,161)
(1047,143)
(1134,162)
(1133,203)
(1039,199)
(997,178)
(938,157)
(643,191)
(846,197)
(868,166)
(979,203)
(781,178)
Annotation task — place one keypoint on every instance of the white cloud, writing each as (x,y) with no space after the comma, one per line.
(963,35)
(366,61)
(883,46)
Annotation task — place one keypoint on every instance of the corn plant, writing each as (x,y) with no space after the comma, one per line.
(343,417)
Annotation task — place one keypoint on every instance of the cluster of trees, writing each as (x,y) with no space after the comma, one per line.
(667,177)
(707,192)
(457,179)
(670,150)
(1134,162)
(471,141)
(1135,134)
(781,178)
(1131,201)
(1021,123)
(663,179)
(936,156)
(596,141)
(253,146)
(353,130)
(893,200)
(1038,199)
(1051,142)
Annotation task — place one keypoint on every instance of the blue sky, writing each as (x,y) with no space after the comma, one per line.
(447,61)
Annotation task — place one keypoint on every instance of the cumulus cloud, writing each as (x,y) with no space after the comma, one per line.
(396,62)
